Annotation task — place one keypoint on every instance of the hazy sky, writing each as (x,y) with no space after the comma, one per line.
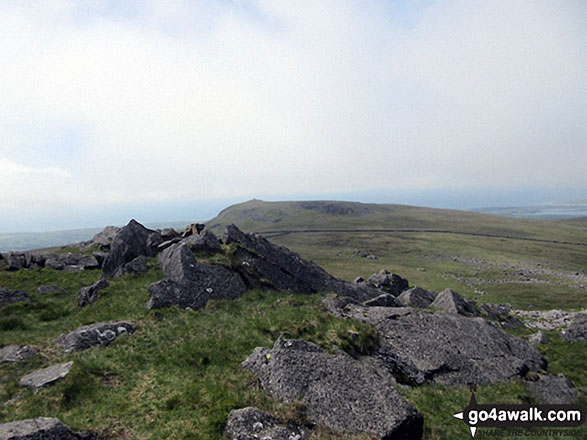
(108,108)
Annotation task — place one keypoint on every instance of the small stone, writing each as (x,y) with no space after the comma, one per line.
(16,353)
(46,376)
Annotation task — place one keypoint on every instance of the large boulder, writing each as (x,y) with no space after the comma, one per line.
(46,376)
(552,390)
(417,297)
(94,335)
(190,284)
(130,242)
(89,294)
(339,392)
(19,260)
(16,353)
(137,266)
(103,238)
(389,282)
(252,423)
(419,346)
(71,262)
(450,301)
(41,428)
(8,296)
(205,241)
(577,331)
(264,264)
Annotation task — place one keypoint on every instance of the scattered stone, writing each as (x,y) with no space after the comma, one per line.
(89,295)
(41,428)
(450,301)
(499,312)
(340,393)
(384,300)
(94,335)
(137,266)
(371,257)
(130,242)
(8,296)
(577,331)
(419,346)
(205,241)
(71,262)
(417,297)
(50,289)
(16,353)
(252,423)
(538,338)
(546,319)
(549,389)
(47,376)
(389,282)
(192,284)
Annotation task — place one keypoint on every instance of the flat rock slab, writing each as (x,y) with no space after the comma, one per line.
(49,289)
(450,301)
(94,335)
(417,297)
(16,353)
(47,376)
(341,393)
(419,346)
(384,300)
(8,296)
(252,423)
(42,428)
(553,390)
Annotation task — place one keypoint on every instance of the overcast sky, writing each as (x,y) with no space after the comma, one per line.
(117,107)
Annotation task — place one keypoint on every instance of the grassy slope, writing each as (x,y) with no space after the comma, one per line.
(179,375)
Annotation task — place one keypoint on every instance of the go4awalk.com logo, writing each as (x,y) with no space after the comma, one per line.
(520,416)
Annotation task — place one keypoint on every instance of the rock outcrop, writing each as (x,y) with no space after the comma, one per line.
(205,241)
(389,282)
(341,393)
(252,423)
(136,267)
(16,353)
(416,297)
(577,331)
(130,242)
(89,294)
(8,296)
(104,238)
(383,300)
(71,262)
(41,428)
(94,335)
(451,302)
(501,314)
(46,376)
(553,390)
(538,338)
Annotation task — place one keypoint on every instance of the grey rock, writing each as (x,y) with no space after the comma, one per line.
(389,282)
(41,428)
(339,392)
(280,268)
(538,338)
(359,280)
(192,284)
(103,238)
(19,260)
(450,301)
(16,353)
(384,300)
(193,229)
(252,423)
(417,297)
(137,266)
(71,262)
(336,306)
(94,335)
(553,390)
(47,376)
(577,331)
(205,241)
(48,289)
(164,245)
(8,296)
(499,312)
(130,242)
(89,294)
(419,346)
(169,233)
(100,257)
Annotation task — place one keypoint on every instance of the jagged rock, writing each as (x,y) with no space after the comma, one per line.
(205,241)
(193,229)
(19,260)
(94,335)
(8,296)
(41,428)
(549,389)
(50,289)
(384,300)
(192,284)
(252,423)
(341,393)
(169,233)
(335,306)
(417,297)
(450,301)
(283,269)
(419,346)
(130,242)
(100,257)
(137,266)
(499,312)
(47,376)
(389,282)
(547,319)
(104,238)
(71,262)
(359,280)
(168,243)
(577,331)
(16,353)
(538,338)
(89,295)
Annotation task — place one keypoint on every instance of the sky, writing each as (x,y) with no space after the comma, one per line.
(170,109)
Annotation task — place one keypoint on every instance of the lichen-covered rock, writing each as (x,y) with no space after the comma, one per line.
(389,282)
(450,301)
(577,331)
(252,423)
(16,353)
(8,296)
(416,297)
(41,428)
(94,335)
(339,392)
(46,376)
(89,294)
(549,389)
(190,284)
